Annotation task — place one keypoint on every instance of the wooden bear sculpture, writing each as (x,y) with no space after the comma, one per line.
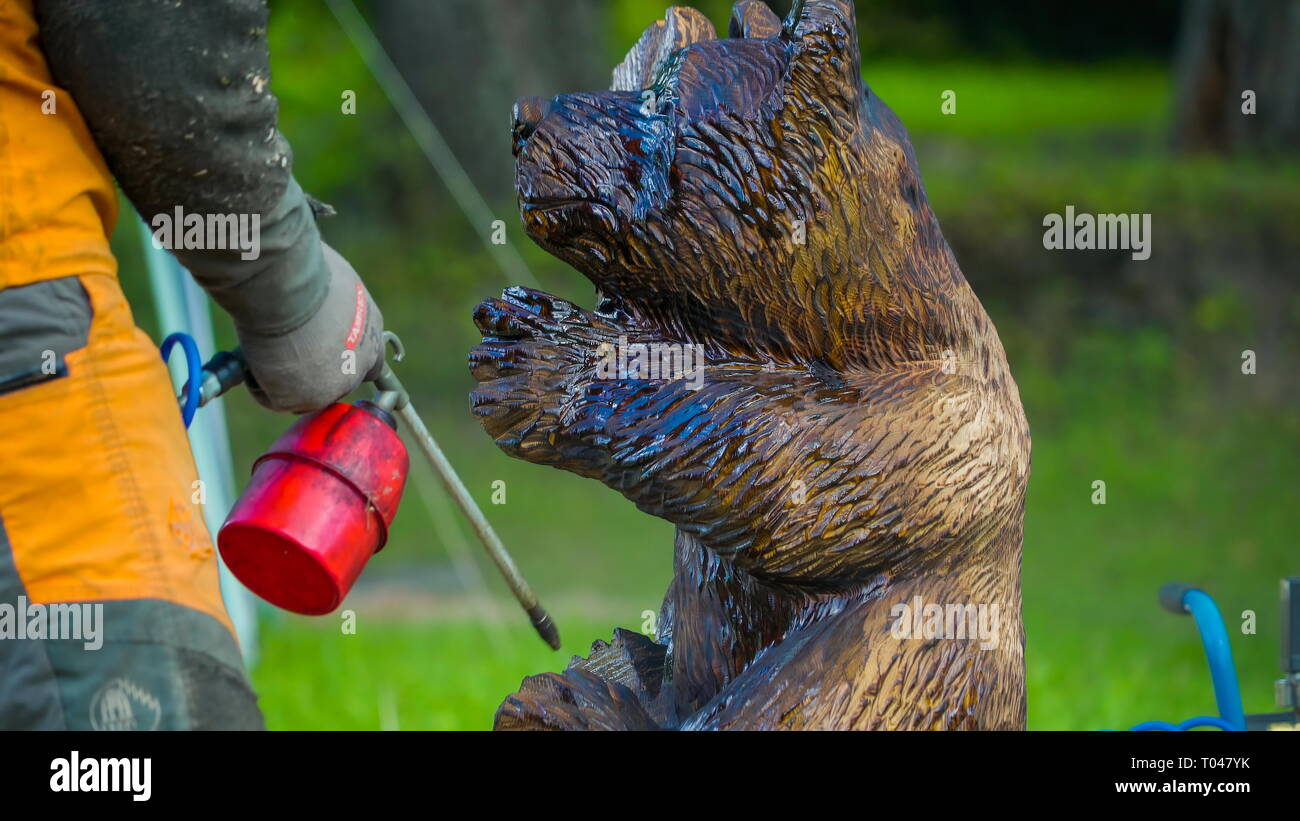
(787,364)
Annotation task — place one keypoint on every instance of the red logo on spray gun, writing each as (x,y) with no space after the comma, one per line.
(358,319)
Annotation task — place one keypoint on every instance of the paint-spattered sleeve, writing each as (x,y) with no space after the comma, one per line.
(177,96)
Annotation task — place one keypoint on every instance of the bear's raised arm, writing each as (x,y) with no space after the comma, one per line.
(796,476)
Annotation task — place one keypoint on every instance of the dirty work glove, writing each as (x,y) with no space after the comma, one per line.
(328,356)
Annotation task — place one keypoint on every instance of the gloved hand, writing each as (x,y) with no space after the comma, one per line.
(324,359)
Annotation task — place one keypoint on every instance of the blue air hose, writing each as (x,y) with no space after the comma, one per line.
(194,372)
(1218,653)
(1199,721)
(1181,599)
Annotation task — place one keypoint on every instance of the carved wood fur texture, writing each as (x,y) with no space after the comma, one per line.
(854,444)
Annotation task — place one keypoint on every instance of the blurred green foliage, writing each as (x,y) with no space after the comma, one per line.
(1019,101)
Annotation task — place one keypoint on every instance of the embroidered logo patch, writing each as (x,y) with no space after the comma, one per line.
(124,705)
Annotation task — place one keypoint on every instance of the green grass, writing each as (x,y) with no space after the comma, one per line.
(1197,491)
(446,676)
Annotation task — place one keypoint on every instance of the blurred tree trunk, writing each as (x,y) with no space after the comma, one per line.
(1229,47)
(469,60)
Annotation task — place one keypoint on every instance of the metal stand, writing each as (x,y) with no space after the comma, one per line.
(182,306)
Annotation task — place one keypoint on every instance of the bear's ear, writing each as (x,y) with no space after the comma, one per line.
(680,28)
(825,60)
(752,18)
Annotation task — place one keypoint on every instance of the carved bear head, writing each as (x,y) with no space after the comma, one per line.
(750,194)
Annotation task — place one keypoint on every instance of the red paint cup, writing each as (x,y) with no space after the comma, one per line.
(317,508)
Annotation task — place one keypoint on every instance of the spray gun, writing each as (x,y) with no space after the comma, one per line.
(321,499)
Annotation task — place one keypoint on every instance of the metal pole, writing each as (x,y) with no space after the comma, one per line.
(182,306)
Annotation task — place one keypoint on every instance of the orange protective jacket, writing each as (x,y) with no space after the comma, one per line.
(99,487)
